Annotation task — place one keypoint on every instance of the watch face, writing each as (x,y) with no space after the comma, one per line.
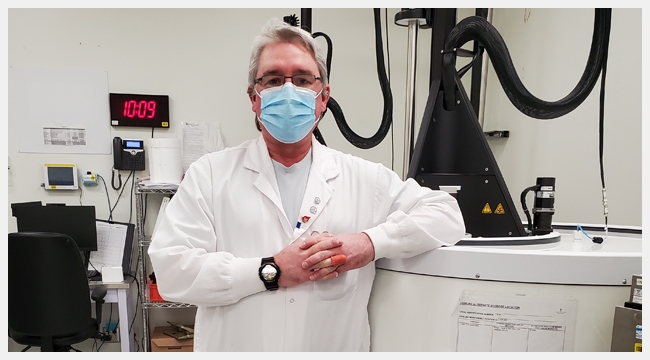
(269,273)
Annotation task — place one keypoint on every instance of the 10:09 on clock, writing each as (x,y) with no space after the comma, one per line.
(139,110)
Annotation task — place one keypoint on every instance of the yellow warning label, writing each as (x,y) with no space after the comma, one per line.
(500,210)
(165,124)
(637,347)
(486,209)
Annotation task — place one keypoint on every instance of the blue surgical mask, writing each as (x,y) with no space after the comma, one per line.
(288,112)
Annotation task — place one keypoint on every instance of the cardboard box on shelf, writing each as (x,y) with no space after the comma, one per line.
(160,342)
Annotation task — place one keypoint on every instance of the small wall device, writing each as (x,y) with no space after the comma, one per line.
(60,177)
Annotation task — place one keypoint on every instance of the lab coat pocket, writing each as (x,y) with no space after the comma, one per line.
(340,287)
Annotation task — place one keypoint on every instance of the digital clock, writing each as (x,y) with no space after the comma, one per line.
(139,110)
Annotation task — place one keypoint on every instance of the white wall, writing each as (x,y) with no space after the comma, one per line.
(199,57)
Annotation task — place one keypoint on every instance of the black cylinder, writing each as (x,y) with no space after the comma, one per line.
(543,209)
(305,19)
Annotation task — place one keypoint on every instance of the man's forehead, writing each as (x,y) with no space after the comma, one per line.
(277,57)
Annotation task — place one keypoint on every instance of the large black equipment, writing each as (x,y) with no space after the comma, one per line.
(452,149)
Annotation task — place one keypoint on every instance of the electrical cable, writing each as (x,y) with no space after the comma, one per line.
(596,239)
(119,179)
(93,266)
(122,191)
(110,316)
(117,326)
(144,209)
(525,208)
(138,301)
(102,333)
(601,134)
(110,211)
(131,198)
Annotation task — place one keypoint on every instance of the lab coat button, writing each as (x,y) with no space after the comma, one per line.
(291,301)
(312,210)
(317,200)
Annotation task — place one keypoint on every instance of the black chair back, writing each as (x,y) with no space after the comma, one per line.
(49,296)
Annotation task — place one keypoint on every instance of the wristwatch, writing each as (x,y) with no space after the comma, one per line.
(269,273)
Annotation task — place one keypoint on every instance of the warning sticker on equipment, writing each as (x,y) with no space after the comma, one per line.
(486,209)
(500,210)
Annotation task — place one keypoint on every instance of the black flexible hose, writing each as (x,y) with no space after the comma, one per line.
(329,51)
(479,29)
(387,118)
(317,133)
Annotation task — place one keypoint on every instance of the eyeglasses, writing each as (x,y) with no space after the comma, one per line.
(300,80)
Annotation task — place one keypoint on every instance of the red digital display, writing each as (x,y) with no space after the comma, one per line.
(139,110)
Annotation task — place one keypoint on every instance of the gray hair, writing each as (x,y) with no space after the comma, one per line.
(277,30)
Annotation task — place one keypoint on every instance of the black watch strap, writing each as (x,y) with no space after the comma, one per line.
(267,266)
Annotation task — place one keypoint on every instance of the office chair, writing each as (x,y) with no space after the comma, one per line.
(49,301)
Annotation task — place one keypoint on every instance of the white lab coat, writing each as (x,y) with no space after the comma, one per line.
(227,215)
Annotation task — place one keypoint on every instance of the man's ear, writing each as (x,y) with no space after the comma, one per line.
(326,98)
(326,92)
(252,97)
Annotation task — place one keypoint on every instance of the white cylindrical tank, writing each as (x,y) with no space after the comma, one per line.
(415,302)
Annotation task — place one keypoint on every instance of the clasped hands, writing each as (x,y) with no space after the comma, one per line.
(323,256)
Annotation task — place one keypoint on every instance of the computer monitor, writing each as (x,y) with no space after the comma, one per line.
(77,221)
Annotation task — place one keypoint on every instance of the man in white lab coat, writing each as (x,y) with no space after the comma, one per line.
(275,240)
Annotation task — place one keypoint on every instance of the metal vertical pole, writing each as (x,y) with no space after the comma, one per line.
(305,19)
(409,118)
(141,272)
(443,21)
